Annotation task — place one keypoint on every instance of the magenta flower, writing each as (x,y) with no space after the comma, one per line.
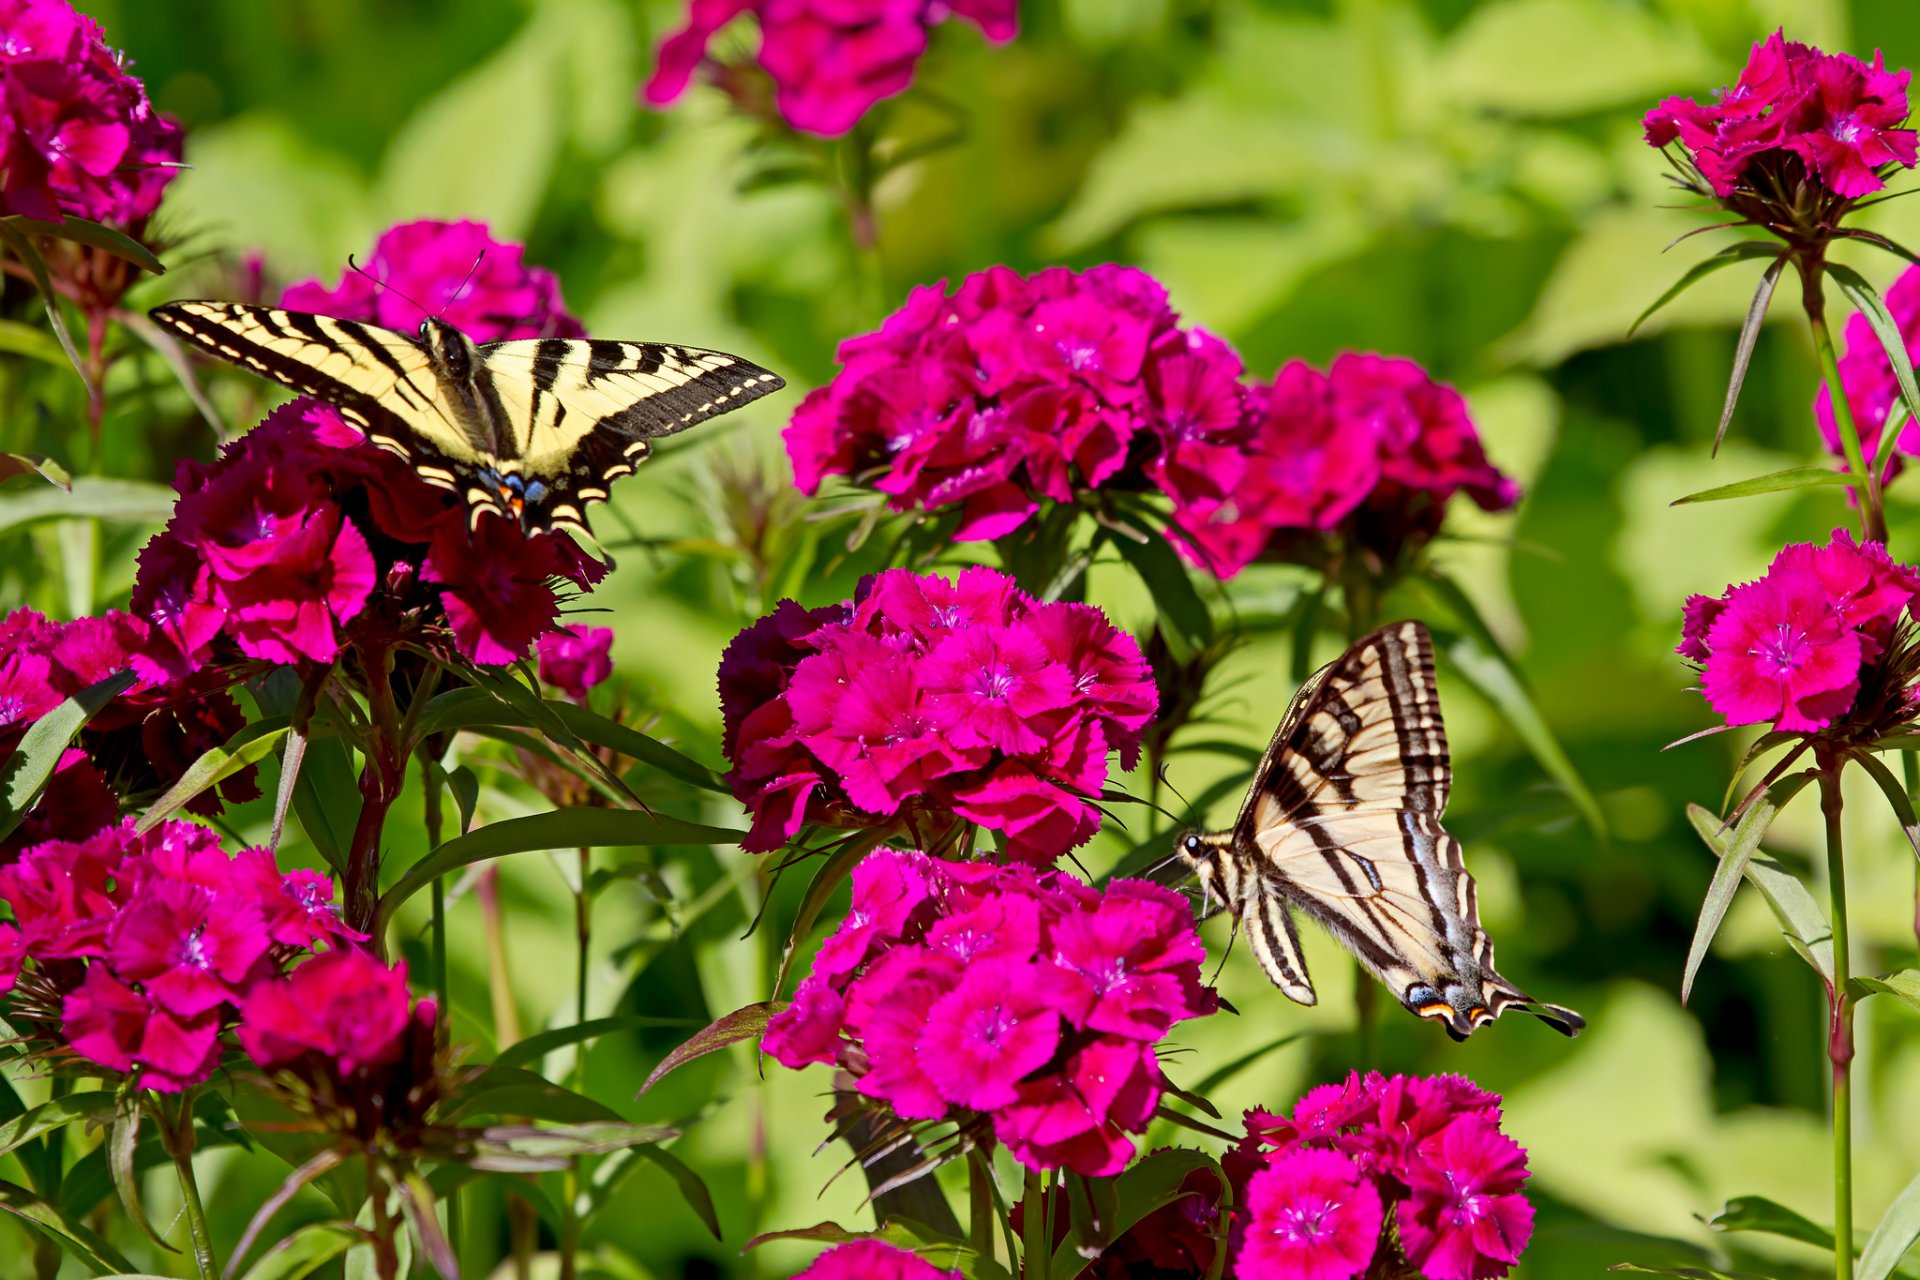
(1794,647)
(1867,374)
(1017,390)
(1466,1218)
(1364,456)
(455,271)
(873,1260)
(346,1007)
(830,60)
(925,700)
(1311,1215)
(1021,1003)
(576,658)
(190,950)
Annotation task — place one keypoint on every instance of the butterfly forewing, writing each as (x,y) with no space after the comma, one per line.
(1343,822)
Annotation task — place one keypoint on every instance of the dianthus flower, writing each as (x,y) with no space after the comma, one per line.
(1015,390)
(1867,374)
(77,134)
(922,700)
(133,949)
(873,1260)
(303,539)
(1363,456)
(1797,647)
(576,658)
(830,60)
(1018,1001)
(1383,1172)
(456,271)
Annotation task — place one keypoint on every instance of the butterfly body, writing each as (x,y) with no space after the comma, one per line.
(1342,822)
(531,430)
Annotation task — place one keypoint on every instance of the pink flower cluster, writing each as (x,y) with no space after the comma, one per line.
(576,658)
(1794,647)
(923,699)
(1017,389)
(136,948)
(77,134)
(830,60)
(302,540)
(134,747)
(873,1260)
(1795,112)
(1867,374)
(967,987)
(1373,447)
(1375,1160)
(456,271)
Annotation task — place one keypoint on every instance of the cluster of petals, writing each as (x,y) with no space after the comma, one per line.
(956,989)
(77,134)
(1866,373)
(137,947)
(453,271)
(1795,109)
(1373,448)
(1018,389)
(1794,647)
(830,60)
(303,539)
(576,658)
(873,1260)
(924,699)
(136,745)
(1409,1165)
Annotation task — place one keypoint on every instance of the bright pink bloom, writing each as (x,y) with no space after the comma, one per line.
(987,1033)
(110,1024)
(453,271)
(1867,375)
(345,1006)
(188,947)
(576,658)
(830,60)
(873,1260)
(1311,1216)
(1466,1218)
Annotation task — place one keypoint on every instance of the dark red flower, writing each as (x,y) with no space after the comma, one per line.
(576,658)
(346,1006)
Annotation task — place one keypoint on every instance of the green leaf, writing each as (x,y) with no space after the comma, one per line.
(74,1238)
(470,708)
(1745,251)
(32,763)
(1867,300)
(37,267)
(579,828)
(123,1165)
(95,234)
(1890,430)
(175,357)
(1220,1075)
(305,1251)
(1687,1273)
(1757,1213)
(1772,482)
(1152,1183)
(614,1171)
(544,716)
(1743,352)
(1904,983)
(48,1116)
(729,1029)
(245,749)
(516,1092)
(20,339)
(1896,795)
(1801,920)
(1741,845)
(91,497)
(1894,1236)
(1183,613)
(538,1148)
(524,1053)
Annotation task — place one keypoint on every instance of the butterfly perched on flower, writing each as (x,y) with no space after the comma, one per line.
(533,430)
(1343,822)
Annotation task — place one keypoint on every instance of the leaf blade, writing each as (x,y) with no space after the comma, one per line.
(1743,351)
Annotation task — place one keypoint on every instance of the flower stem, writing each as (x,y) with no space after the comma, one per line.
(432,818)
(381,777)
(1873,520)
(1839,1031)
(1036,1245)
(386,1257)
(570,1181)
(176,1135)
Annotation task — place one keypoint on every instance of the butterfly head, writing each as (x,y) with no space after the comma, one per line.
(452,350)
(1208,857)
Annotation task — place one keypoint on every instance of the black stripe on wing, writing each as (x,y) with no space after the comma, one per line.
(638,390)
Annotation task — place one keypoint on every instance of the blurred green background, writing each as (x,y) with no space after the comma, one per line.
(1458,181)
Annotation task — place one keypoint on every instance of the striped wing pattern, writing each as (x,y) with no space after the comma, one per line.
(1343,823)
(534,430)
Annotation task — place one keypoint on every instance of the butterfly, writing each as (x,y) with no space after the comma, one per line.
(532,430)
(1343,823)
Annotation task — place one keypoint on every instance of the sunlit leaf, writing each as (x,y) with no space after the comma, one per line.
(90,498)
(1896,1234)
(75,1239)
(1896,795)
(1801,921)
(1772,482)
(1757,1213)
(730,1029)
(1905,984)
(1733,254)
(72,1108)
(31,341)
(36,266)
(1742,844)
(245,749)
(26,773)
(1743,351)
(532,1148)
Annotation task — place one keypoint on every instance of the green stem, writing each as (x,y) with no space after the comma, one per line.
(979,1204)
(1036,1244)
(1910,768)
(1839,1030)
(1873,520)
(570,1224)
(176,1135)
(386,1255)
(433,818)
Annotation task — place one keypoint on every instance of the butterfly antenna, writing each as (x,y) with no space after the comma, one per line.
(465,281)
(1232,936)
(378,283)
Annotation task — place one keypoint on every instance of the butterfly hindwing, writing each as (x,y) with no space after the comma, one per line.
(1343,822)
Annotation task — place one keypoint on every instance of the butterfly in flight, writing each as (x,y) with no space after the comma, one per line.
(1343,822)
(532,430)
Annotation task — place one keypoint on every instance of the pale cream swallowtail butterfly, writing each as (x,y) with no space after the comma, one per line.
(532,430)
(1342,822)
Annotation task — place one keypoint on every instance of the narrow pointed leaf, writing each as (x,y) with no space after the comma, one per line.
(1896,423)
(693,1188)
(417,1200)
(290,761)
(1772,482)
(305,1251)
(56,1114)
(1867,300)
(123,1147)
(1757,1213)
(1896,795)
(37,267)
(526,1052)
(1895,1235)
(89,497)
(1893,247)
(74,1238)
(1182,612)
(245,749)
(1801,921)
(99,236)
(514,1091)
(1687,1273)
(26,773)
(1904,985)
(742,1024)
(1733,254)
(1742,844)
(289,1187)
(1743,352)
(21,339)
